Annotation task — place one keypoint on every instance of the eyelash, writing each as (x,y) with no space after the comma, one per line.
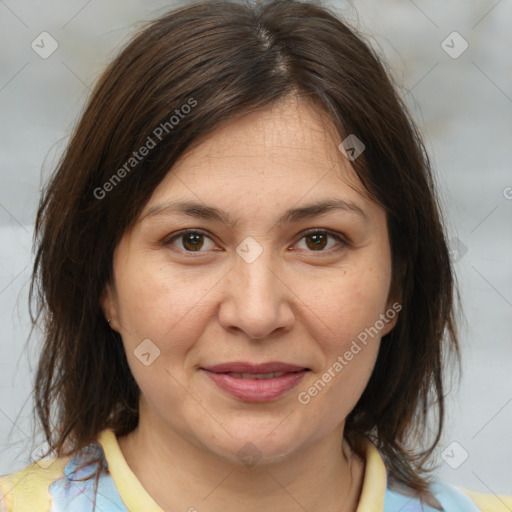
(314,231)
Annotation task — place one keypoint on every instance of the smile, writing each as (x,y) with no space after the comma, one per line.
(255,375)
(256,387)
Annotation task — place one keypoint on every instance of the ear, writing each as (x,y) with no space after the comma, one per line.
(395,298)
(393,309)
(108,303)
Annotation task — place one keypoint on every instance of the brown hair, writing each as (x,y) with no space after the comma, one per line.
(231,59)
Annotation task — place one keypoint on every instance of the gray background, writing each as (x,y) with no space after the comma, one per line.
(463,106)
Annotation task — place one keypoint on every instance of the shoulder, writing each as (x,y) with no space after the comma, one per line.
(61,484)
(481,501)
(27,489)
(447,498)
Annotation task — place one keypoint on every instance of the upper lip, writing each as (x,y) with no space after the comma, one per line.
(244,367)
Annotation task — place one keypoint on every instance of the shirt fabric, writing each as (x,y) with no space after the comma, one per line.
(59,485)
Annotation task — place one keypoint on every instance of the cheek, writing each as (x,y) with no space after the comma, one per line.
(349,351)
(347,304)
(348,378)
(161,304)
(348,330)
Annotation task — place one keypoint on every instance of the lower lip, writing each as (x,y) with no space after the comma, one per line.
(256,390)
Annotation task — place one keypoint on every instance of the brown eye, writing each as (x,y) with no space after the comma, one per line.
(191,240)
(318,240)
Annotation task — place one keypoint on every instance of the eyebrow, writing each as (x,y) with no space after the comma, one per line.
(202,211)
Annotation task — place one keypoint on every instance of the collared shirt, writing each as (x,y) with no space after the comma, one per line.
(59,485)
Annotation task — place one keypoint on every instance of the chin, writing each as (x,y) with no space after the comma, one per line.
(255,445)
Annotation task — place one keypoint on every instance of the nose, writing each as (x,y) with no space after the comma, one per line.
(256,299)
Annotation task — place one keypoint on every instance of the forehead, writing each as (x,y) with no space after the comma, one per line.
(289,145)
(291,123)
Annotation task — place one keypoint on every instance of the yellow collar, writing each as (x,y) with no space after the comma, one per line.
(137,498)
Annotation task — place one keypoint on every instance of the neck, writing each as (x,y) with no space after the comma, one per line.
(180,475)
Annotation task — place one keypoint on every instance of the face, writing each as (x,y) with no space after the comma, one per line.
(254,274)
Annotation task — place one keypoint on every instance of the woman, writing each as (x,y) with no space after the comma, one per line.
(244,280)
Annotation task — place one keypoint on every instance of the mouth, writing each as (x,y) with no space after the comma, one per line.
(256,382)
(271,375)
(243,367)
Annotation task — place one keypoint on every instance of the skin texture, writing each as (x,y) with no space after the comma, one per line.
(294,303)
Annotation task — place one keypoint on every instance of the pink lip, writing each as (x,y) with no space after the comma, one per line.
(256,390)
(244,367)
